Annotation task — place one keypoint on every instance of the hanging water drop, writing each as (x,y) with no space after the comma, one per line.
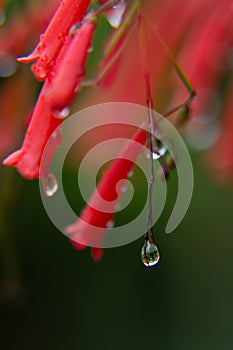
(114,16)
(50,185)
(159,150)
(150,253)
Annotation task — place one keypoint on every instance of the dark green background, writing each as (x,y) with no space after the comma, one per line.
(68,301)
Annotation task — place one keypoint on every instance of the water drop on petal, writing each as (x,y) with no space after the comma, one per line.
(130,173)
(62,114)
(110,224)
(117,206)
(149,254)
(50,185)
(124,189)
(90,49)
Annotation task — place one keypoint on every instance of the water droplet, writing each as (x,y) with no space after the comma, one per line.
(44,58)
(150,254)
(90,49)
(110,224)
(124,189)
(61,36)
(50,185)
(117,206)
(158,152)
(130,173)
(114,16)
(62,114)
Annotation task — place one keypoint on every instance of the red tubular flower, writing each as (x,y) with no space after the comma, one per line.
(91,218)
(68,13)
(56,94)
(16,33)
(70,68)
(43,123)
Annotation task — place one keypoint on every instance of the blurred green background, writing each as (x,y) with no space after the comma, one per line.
(67,301)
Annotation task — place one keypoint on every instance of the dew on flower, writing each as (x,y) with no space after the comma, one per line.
(110,224)
(50,185)
(90,49)
(124,189)
(130,173)
(62,114)
(149,254)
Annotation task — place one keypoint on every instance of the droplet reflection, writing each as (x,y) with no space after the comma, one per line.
(50,185)
(150,254)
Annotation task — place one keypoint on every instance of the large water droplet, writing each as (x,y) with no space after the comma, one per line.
(114,16)
(150,254)
(50,185)
(159,151)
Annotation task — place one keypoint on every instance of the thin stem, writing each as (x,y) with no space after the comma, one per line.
(180,73)
(105,69)
(149,102)
(177,68)
(176,108)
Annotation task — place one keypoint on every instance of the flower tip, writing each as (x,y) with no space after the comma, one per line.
(27,59)
(96,253)
(12,159)
(77,245)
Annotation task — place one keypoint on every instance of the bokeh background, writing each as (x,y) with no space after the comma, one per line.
(57,297)
(54,297)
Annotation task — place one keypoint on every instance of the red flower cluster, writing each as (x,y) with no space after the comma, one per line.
(58,57)
(201,35)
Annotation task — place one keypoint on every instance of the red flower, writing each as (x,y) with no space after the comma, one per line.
(42,124)
(68,13)
(70,69)
(57,93)
(93,219)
